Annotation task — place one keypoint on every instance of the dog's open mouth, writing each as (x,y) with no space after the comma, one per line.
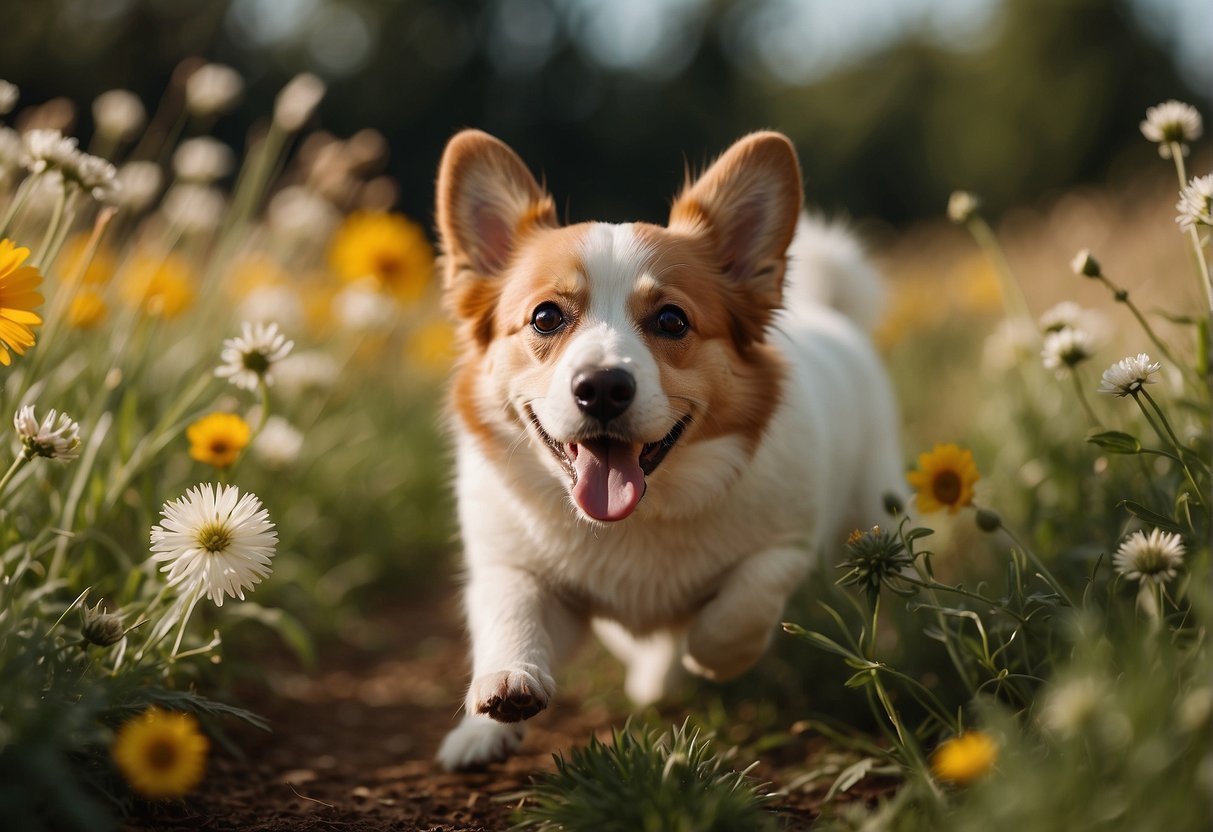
(607,472)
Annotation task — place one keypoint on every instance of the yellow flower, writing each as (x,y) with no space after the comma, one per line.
(218,438)
(387,247)
(965,758)
(255,272)
(17,301)
(161,754)
(87,310)
(431,346)
(160,286)
(945,478)
(99,270)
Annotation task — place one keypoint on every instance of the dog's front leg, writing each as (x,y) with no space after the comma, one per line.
(732,630)
(519,630)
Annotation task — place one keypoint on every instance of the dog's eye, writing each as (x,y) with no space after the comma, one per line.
(547,318)
(672,321)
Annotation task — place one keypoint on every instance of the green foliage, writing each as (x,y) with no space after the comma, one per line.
(672,782)
(1088,673)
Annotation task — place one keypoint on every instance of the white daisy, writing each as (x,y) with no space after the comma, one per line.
(297,101)
(1195,204)
(278,444)
(1066,348)
(1172,122)
(1128,375)
(95,175)
(1084,265)
(202,160)
(1155,557)
(298,217)
(57,437)
(303,371)
(119,114)
(9,93)
(250,357)
(214,542)
(1065,314)
(46,148)
(961,206)
(196,209)
(213,89)
(138,185)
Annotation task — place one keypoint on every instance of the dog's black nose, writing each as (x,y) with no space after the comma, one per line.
(604,393)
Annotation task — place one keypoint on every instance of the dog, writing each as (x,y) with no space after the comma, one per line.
(656,428)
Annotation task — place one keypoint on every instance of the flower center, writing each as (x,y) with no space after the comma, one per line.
(256,361)
(219,447)
(946,487)
(388,266)
(214,537)
(160,754)
(1150,562)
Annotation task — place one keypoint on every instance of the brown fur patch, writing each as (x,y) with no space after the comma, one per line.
(722,369)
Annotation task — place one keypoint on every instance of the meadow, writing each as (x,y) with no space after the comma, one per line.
(227,468)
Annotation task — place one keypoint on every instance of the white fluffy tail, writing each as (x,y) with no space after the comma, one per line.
(827,266)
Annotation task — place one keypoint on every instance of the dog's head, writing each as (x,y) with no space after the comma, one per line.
(625,356)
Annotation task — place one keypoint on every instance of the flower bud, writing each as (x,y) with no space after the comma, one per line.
(100,627)
(988,520)
(962,205)
(1084,265)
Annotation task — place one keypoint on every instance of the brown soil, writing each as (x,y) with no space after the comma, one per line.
(352,747)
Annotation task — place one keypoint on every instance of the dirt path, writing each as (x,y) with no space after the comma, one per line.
(352,748)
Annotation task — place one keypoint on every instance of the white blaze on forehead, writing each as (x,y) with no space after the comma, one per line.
(615,262)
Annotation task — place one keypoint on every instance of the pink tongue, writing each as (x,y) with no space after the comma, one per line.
(609,480)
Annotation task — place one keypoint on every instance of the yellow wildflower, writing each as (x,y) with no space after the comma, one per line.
(160,286)
(388,247)
(98,271)
(87,310)
(945,478)
(431,346)
(18,298)
(965,758)
(218,438)
(253,272)
(161,754)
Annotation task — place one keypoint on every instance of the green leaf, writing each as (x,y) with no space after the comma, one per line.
(1152,517)
(1116,442)
(914,534)
(287,626)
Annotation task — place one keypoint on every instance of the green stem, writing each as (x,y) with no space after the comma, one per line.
(1012,293)
(53,226)
(12,471)
(1039,564)
(1122,296)
(967,594)
(23,192)
(1206,283)
(1082,398)
(1170,434)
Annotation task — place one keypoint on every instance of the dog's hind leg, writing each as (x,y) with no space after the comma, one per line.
(652,661)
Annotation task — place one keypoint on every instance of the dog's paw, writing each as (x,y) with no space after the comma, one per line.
(478,741)
(511,695)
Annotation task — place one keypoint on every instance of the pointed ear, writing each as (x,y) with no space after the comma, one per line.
(748,203)
(487,199)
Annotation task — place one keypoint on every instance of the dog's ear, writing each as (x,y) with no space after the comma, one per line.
(487,199)
(748,203)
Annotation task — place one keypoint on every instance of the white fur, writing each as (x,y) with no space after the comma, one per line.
(699,574)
